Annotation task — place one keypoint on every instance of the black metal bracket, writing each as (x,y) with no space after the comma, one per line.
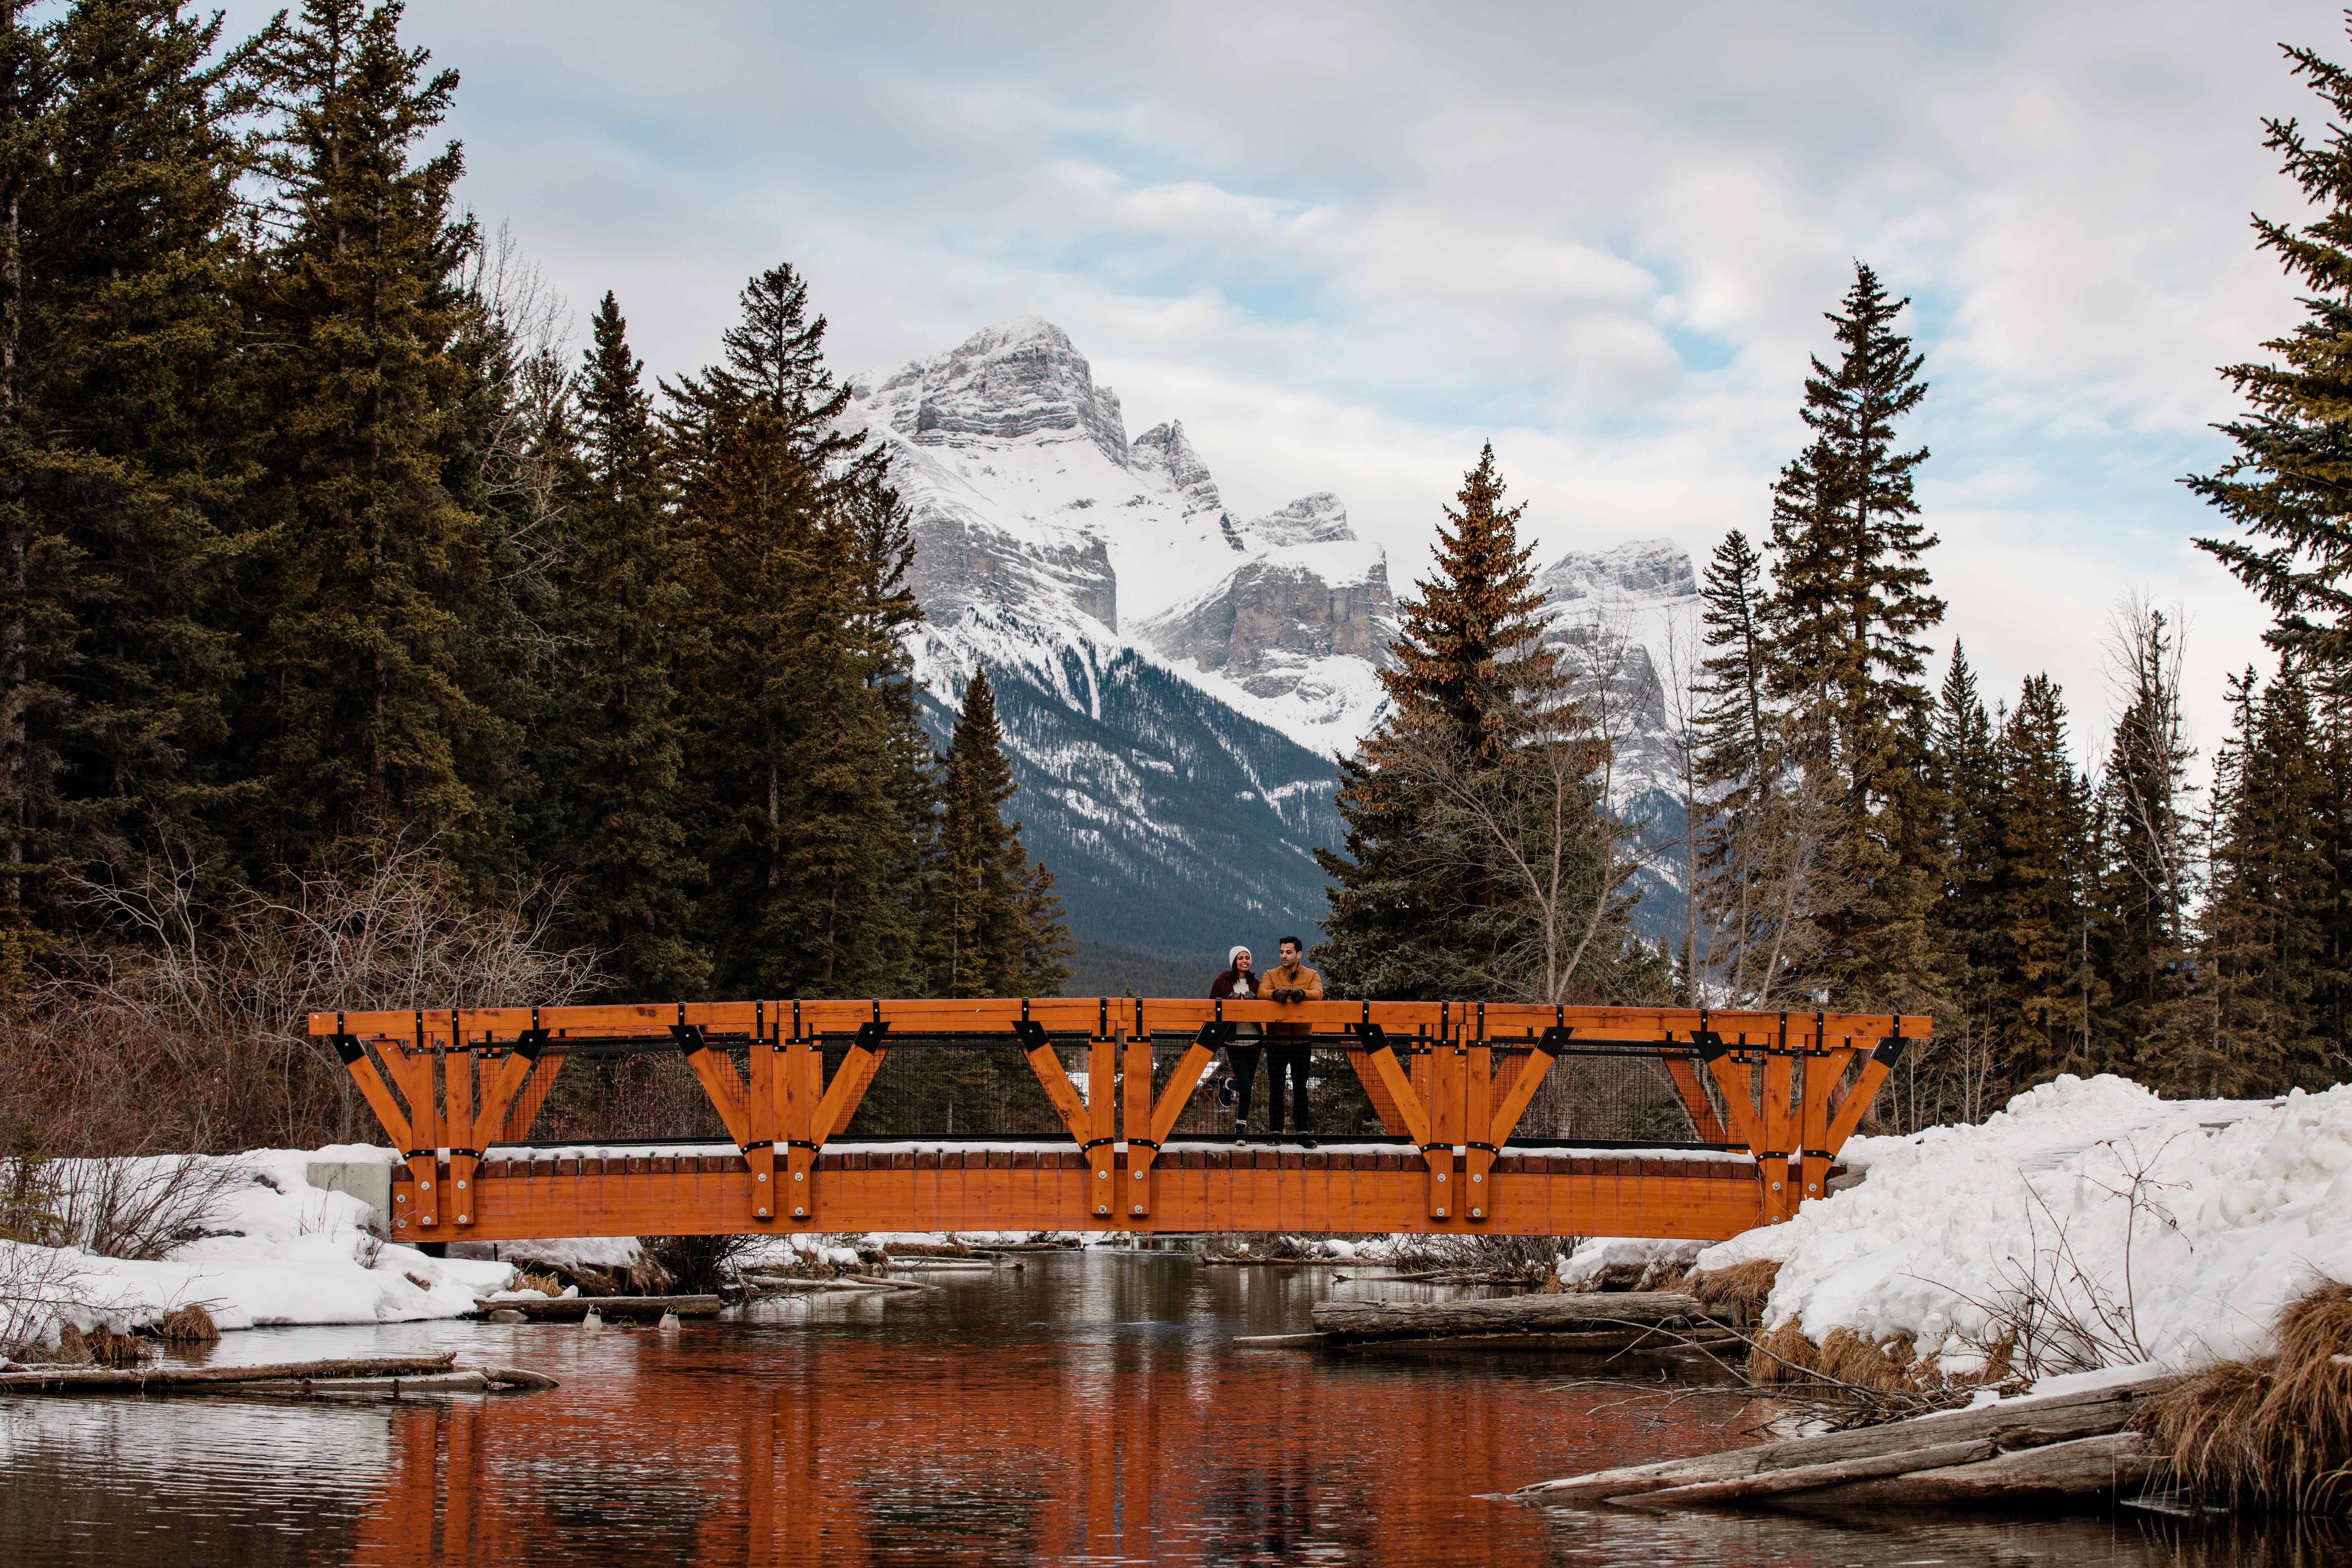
(348,1046)
(1375,1039)
(529,1044)
(1889,1050)
(1030,1032)
(1555,1039)
(689,1037)
(1710,1045)
(870,1033)
(1214,1035)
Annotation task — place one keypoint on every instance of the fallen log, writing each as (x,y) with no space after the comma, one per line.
(1282,1341)
(2084,1467)
(780,1287)
(1807,1477)
(1606,1342)
(565,1308)
(2010,1424)
(380,1373)
(876,1280)
(1631,1314)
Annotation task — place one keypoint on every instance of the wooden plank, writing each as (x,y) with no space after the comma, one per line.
(1046,1063)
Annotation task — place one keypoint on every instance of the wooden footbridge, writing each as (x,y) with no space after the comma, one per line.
(1771,1098)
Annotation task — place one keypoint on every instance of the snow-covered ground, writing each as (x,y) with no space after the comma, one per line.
(2163,1231)
(278,1251)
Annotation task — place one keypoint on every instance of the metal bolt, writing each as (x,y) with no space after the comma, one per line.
(400,1225)
(800,1175)
(763,1176)
(426,1186)
(762,1214)
(1102,1175)
(1776,1186)
(1478,1214)
(1441,1175)
(1441,1214)
(1139,1208)
(464,1219)
(1476,1176)
(799,1213)
(461,1186)
(1139,1175)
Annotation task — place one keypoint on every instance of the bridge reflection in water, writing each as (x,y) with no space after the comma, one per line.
(1109,1136)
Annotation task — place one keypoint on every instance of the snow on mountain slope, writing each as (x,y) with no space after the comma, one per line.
(1178,783)
(1175,681)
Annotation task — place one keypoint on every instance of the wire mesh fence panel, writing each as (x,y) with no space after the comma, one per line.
(955,1087)
(977,1087)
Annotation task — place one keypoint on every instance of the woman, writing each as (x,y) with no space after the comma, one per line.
(1239,982)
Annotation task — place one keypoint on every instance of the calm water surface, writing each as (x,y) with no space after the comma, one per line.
(1086,1409)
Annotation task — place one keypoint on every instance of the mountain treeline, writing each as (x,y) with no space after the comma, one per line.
(1859,840)
(320,552)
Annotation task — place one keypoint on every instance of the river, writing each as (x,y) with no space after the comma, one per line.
(1084,1409)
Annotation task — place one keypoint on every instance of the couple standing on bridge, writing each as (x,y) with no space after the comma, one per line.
(1287,1047)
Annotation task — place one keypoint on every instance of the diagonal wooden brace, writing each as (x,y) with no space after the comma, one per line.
(720,1079)
(850,1081)
(1874,1069)
(1177,1090)
(1691,1090)
(521,1060)
(1068,1104)
(1823,1071)
(373,1088)
(1377,1064)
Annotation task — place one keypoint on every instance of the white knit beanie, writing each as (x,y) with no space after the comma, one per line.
(1239,948)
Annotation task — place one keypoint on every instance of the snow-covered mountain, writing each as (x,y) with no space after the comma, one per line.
(1174,682)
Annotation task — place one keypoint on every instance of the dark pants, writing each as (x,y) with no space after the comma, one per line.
(1282,1060)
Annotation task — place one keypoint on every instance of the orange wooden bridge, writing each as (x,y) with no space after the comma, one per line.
(1772,1096)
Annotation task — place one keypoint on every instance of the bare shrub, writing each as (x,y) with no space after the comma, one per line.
(1500,1260)
(180,1023)
(142,1209)
(694,1265)
(38,1285)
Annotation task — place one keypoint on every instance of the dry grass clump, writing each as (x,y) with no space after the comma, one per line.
(109,1348)
(545,1284)
(2274,1432)
(1783,1355)
(188,1325)
(1743,1287)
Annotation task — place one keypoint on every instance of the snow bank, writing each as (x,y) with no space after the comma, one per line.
(278,1251)
(2173,1230)
(1595,1254)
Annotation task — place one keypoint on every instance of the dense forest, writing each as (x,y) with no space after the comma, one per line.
(1863,840)
(366,640)
(361,639)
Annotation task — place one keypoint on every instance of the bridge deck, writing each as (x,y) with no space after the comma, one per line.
(1775,1096)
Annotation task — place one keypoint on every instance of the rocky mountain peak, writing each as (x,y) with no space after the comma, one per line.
(1162,450)
(1018,379)
(1309,520)
(1639,568)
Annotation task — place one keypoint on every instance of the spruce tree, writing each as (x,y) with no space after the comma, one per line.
(2264,1021)
(126,443)
(1425,903)
(2146,892)
(1849,608)
(2041,853)
(795,696)
(623,606)
(994,927)
(2288,490)
(1742,837)
(354,715)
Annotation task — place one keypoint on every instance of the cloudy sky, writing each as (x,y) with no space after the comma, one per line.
(1345,244)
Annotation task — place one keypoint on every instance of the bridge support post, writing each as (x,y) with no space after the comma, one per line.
(1134,1200)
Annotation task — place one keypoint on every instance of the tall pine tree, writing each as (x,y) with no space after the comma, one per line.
(1849,609)
(994,928)
(353,717)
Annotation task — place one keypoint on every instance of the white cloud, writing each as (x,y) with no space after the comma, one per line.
(1345,243)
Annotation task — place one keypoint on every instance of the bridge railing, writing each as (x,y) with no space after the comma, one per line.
(1117,1078)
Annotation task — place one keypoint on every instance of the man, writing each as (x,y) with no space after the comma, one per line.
(1288,1047)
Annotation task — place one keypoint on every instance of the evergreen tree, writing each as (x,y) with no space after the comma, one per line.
(796,700)
(995,929)
(1849,607)
(622,604)
(1744,862)
(2145,894)
(2041,832)
(126,444)
(1481,770)
(2289,488)
(354,715)
(2262,1022)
